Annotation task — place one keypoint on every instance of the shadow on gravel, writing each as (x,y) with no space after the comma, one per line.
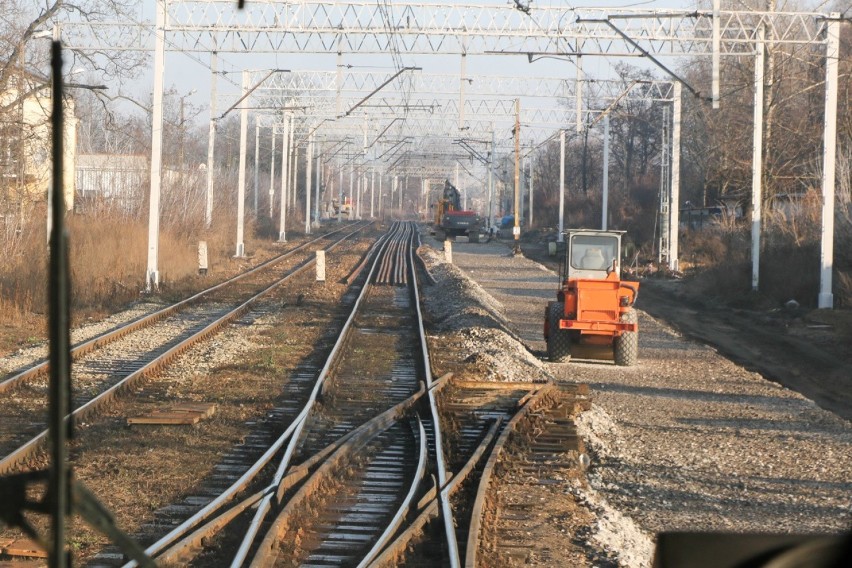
(771,402)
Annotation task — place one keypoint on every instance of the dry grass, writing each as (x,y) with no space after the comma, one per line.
(108,262)
(789,258)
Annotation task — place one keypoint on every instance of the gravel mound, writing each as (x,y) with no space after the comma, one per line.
(463,317)
(686,440)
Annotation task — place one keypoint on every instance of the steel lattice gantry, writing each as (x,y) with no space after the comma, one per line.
(481,28)
(363,27)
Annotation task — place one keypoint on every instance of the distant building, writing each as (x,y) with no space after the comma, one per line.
(116,181)
(695,218)
(25,142)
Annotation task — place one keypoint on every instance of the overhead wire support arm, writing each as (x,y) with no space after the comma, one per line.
(382,133)
(379,88)
(472,151)
(248,93)
(645,52)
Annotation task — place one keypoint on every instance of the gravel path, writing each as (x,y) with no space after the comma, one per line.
(686,440)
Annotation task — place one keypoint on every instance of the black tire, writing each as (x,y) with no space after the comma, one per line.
(625,349)
(558,340)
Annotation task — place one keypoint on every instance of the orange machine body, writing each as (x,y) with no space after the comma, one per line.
(594,307)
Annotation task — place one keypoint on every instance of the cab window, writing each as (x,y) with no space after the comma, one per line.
(592,252)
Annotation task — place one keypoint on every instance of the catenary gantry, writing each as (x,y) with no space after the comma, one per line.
(484,29)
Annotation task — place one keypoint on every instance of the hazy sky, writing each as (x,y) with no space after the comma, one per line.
(190,72)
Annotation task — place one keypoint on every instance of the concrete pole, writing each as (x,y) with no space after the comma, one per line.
(285,179)
(241,184)
(309,162)
(272,175)
(674,209)
(559,237)
(532,169)
(393,188)
(357,204)
(256,165)
(381,199)
(293,159)
(152,278)
(211,141)
(578,108)
(462,82)
(517,228)
(717,48)
(339,191)
(756,162)
(829,149)
(351,191)
(295,175)
(372,192)
(605,202)
(317,184)
(491,177)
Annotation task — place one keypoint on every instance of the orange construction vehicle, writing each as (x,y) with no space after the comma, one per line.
(593,306)
(451,220)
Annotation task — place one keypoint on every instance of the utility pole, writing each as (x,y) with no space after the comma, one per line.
(241,182)
(517,229)
(272,174)
(560,238)
(605,198)
(757,161)
(152,277)
(829,152)
(532,163)
(256,164)
(211,142)
(285,179)
(309,162)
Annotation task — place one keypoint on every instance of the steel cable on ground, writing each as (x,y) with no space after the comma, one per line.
(449,525)
(240,484)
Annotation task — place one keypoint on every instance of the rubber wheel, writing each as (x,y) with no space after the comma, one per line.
(558,340)
(626,347)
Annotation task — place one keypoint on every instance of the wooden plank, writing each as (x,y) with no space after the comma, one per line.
(24,547)
(187,413)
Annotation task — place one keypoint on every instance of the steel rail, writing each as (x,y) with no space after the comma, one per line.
(108,337)
(429,510)
(405,507)
(263,508)
(446,508)
(366,433)
(178,552)
(181,549)
(485,478)
(89,408)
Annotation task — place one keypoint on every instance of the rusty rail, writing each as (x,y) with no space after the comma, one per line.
(485,478)
(87,410)
(106,338)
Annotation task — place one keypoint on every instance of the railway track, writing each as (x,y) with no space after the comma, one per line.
(121,358)
(378,347)
(352,487)
(363,458)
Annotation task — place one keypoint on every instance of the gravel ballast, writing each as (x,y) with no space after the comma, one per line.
(686,440)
